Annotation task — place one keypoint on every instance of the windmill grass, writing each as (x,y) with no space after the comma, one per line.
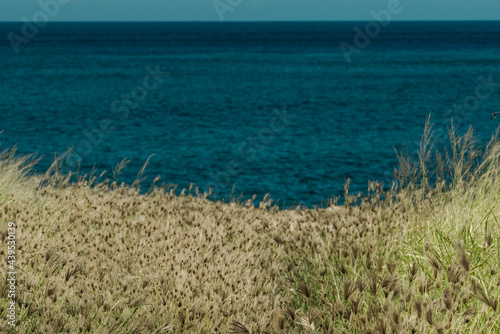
(98,257)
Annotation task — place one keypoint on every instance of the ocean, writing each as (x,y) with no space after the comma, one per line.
(244,108)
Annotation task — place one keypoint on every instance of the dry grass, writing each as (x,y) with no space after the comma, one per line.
(96,257)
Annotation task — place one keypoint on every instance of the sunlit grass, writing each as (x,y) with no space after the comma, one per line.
(98,257)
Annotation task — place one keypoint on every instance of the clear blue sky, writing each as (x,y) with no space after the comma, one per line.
(251,10)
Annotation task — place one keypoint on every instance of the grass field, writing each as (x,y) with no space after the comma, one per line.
(97,257)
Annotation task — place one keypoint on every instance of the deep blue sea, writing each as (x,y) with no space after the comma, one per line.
(250,108)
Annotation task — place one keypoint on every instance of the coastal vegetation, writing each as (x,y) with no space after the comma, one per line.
(420,256)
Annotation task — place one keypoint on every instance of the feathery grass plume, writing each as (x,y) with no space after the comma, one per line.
(237,327)
(157,178)
(346,187)
(290,315)
(304,290)
(428,315)
(454,274)
(433,262)
(448,297)
(424,155)
(373,284)
(348,289)
(279,319)
(354,302)
(308,321)
(480,293)
(140,178)
(417,304)
(489,239)
(379,262)
(381,326)
(412,271)
(462,257)
(390,267)
(469,314)
(394,314)
(360,285)
(119,168)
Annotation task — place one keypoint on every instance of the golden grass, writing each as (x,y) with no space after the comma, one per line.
(94,257)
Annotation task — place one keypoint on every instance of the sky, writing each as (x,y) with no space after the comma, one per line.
(244,10)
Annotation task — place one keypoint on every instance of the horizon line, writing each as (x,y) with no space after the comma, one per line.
(257,21)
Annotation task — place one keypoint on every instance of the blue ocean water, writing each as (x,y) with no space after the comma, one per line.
(250,108)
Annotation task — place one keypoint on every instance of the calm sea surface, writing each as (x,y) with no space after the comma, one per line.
(250,108)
